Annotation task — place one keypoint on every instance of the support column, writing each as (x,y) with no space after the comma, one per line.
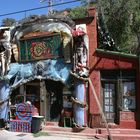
(80,96)
(43,106)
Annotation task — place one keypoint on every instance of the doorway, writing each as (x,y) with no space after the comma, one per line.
(54,100)
(45,95)
(109,101)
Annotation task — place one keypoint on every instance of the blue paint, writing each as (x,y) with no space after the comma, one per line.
(78,111)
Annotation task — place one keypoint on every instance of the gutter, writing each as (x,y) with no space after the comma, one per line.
(102,51)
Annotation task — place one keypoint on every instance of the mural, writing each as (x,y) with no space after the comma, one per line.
(50,49)
(40,48)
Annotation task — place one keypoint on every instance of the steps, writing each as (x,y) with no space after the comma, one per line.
(116,133)
(87,132)
(121,134)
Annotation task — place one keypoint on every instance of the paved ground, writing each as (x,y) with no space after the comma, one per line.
(6,135)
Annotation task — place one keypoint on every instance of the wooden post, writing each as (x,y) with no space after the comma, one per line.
(100,109)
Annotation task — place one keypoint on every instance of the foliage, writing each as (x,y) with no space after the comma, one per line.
(78,12)
(121,19)
(90,2)
(8,21)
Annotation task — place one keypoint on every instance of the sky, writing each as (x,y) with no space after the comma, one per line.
(10,6)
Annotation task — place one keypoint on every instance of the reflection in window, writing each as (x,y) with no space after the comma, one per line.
(129,96)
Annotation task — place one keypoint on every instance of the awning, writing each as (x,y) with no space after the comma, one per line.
(56,70)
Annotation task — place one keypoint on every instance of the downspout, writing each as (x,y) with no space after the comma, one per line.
(100,109)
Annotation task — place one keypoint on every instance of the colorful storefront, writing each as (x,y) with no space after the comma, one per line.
(51,66)
(43,57)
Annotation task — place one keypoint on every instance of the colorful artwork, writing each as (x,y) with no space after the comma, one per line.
(24,112)
(20,126)
(38,48)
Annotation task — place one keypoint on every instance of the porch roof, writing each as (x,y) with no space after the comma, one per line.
(21,73)
(102,51)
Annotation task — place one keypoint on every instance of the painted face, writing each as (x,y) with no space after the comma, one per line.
(79,51)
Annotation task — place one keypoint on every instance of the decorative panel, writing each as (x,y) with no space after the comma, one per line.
(40,47)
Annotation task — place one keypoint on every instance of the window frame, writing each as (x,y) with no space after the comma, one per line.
(119,77)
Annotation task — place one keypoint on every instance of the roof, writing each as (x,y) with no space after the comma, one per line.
(102,51)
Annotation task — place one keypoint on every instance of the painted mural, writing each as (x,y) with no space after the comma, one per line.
(49,50)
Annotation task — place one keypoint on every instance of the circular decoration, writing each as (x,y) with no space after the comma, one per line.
(24,111)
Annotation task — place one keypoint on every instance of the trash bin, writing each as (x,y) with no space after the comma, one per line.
(36,123)
(2,123)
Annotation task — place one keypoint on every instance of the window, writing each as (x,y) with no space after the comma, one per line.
(125,93)
(109,101)
(128,95)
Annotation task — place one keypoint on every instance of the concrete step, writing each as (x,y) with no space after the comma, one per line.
(116,133)
(119,131)
(125,137)
(87,132)
(69,129)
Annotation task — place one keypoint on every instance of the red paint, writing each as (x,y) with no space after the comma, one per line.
(100,61)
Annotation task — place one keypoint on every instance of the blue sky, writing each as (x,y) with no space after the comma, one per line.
(9,6)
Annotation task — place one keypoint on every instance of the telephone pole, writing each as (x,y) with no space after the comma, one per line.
(50,5)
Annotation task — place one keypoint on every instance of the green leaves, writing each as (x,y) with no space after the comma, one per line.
(78,12)
(8,21)
(122,19)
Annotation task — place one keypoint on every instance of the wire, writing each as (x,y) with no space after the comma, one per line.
(23,11)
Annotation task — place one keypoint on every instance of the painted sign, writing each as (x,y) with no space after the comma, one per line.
(24,112)
(41,47)
(20,126)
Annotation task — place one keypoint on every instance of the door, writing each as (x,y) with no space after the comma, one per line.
(109,101)
(54,100)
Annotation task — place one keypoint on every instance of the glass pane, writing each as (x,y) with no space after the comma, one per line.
(112,87)
(106,86)
(111,102)
(129,88)
(129,95)
(111,108)
(112,115)
(107,115)
(106,108)
(106,94)
(107,101)
(129,103)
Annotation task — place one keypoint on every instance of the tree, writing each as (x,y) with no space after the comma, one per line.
(8,21)
(78,12)
(88,2)
(121,19)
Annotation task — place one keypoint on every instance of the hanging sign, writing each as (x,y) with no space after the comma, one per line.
(40,47)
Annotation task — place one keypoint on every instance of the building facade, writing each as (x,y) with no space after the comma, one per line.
(51,63)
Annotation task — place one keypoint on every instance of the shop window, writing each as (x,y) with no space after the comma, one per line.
(129,95)
(125,92)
